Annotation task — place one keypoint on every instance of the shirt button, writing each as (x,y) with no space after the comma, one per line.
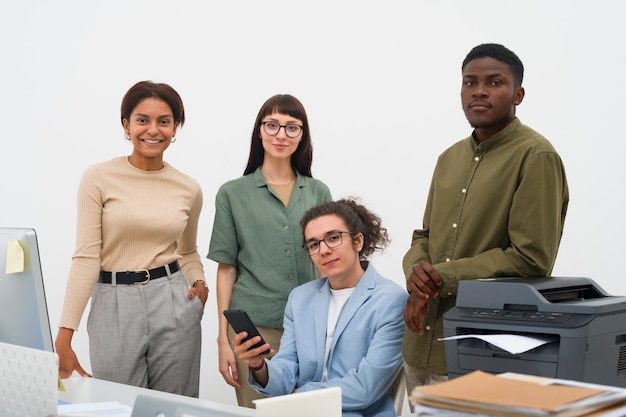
(447,259)
(427,327)
(290,276)
(464,190)
(477,158)
(454,225)
(286,227)
(449,293)
(288,252)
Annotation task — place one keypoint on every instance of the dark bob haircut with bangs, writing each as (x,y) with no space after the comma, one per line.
(302,158)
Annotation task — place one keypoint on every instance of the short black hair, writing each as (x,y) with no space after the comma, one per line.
(500,53)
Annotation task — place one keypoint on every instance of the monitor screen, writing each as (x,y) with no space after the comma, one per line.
(24,317)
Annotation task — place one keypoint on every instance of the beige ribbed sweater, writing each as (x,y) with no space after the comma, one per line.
(130,219)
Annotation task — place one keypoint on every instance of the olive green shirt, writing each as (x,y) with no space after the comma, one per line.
(256,233)
(494,209)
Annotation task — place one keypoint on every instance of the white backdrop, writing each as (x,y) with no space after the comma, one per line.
(380,82)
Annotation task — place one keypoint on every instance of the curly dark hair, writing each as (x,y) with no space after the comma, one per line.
(358,219)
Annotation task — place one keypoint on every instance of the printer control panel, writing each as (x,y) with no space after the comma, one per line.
(517,315)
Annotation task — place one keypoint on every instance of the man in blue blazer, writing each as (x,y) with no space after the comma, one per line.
(343,330)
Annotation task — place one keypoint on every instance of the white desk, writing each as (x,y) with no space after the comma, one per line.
(91,390)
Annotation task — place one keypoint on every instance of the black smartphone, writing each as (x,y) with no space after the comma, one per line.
(241,322)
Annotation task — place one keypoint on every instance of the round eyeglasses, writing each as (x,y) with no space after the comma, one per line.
(332,239)
(291,130)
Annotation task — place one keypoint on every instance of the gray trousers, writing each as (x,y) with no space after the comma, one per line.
(147,335)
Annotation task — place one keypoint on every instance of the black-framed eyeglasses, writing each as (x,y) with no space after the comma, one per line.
(332,239)
(272,128)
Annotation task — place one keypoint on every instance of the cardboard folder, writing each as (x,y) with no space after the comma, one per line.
(480,392)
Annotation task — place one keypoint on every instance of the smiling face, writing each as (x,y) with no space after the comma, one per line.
(151,127)
(340,264)
(489,96)
(280,146)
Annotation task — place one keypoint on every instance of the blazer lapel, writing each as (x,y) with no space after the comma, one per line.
(360,295)
(320,320)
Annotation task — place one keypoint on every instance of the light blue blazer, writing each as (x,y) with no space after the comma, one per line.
(366,352)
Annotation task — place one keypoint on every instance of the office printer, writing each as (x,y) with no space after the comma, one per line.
(587,326)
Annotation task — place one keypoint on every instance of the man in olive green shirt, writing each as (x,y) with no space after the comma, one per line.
(496,207)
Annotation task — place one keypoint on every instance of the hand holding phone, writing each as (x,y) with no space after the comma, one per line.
(241,322)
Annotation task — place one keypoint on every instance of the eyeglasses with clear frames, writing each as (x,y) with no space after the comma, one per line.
(332,239)
(291,130)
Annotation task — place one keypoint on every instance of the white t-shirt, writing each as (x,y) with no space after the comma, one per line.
(338,299)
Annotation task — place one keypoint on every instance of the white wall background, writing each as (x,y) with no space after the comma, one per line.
(380,82)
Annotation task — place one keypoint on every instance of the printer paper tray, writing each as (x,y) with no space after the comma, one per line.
(499,365)
(476,354)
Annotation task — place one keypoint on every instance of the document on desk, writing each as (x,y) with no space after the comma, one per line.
(482,393)
(512,343)
(103,409)
(421,410)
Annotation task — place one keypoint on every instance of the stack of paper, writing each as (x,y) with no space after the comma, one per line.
(487,394)
(102,409)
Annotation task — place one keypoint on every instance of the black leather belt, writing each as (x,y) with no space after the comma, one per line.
(142,276)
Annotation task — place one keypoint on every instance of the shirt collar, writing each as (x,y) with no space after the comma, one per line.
(259,179)
(498,138)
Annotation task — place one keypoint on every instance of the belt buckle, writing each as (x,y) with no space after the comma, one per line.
(147,276)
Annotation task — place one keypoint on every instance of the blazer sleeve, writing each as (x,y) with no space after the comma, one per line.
(283,367)
(365,384)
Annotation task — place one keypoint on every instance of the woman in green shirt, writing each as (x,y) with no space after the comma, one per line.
(256,231)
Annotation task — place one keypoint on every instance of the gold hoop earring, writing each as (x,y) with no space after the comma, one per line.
(173,139)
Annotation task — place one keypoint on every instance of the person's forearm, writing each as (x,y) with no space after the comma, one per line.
(226,276)
(64,338)
(260,373)
(416,253)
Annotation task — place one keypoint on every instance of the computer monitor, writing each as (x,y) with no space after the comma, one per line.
(24,316)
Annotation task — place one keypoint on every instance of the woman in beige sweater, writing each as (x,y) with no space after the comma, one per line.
(136,257)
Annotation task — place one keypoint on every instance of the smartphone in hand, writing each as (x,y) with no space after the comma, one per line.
(241,322)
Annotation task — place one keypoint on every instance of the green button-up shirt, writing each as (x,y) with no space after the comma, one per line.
(256,233)
(494,209)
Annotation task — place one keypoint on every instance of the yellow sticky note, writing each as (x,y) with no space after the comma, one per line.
(61,387)
(15,257)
